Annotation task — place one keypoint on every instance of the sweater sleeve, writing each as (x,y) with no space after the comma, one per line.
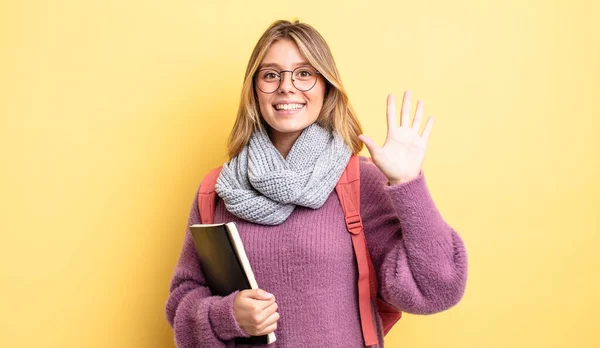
(198,319)
(421,262)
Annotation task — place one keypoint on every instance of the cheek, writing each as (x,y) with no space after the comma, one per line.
(263,103)
(318,95)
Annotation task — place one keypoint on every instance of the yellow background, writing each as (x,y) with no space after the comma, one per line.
(112,112)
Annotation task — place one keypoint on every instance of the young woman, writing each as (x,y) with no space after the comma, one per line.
(293,137)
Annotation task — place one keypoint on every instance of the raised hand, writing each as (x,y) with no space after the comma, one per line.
(401,157)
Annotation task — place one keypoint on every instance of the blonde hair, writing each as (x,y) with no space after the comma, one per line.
(336,114)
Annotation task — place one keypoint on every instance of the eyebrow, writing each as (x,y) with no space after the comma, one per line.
(275,65)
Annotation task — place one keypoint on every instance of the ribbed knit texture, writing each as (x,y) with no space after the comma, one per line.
(308,264)
(261,186)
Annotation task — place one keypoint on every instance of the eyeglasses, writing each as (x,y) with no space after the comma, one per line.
(268,80)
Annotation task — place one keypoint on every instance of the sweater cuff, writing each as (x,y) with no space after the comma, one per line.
(412,187)
(413,202)
(222,320)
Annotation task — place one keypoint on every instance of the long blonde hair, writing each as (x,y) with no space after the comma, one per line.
(336,114)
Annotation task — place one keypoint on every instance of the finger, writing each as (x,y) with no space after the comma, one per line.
(263,315)
(258,294)
(370,143)
(272,319)
(418,116)
(427,130)
(405,114)
(268,330)
(258,306)
(392,119)
(271,309)
(261,305)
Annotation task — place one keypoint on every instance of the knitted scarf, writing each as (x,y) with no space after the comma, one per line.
(261,186)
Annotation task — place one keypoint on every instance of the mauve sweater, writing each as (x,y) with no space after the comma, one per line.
(308,263)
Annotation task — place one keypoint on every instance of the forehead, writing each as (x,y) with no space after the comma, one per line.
(283,54)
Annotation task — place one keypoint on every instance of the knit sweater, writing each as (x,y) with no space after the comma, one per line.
(308,263)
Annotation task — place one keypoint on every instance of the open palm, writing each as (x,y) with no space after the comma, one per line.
(401,157)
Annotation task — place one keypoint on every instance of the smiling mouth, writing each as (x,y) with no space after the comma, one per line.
(288,107)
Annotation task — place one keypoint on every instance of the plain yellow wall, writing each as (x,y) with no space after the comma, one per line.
(112,112)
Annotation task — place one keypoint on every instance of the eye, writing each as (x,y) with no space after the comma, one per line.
(304,73)
(270,75)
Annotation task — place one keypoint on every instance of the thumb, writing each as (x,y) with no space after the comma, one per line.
(370,143)
(260,294)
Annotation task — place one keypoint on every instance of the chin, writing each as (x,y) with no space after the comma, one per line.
(287,129)
(290,125)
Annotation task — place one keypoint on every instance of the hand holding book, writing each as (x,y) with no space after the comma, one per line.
(227,269)
(256,312)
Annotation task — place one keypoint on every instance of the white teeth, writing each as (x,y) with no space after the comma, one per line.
(288,106)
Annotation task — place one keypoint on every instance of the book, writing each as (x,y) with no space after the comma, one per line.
(225,265)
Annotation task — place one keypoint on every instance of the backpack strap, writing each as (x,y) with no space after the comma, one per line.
(348,190)
(207,196)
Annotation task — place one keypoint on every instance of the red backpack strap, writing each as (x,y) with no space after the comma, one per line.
(207,196)
(348,190)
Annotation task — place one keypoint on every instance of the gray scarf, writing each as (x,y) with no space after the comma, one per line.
(261,186)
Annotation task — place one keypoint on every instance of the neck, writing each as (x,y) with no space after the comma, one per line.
(283,142)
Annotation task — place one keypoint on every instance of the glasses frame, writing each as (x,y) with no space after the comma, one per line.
(281,77)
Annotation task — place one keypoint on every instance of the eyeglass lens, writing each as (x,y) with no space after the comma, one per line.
(303,78)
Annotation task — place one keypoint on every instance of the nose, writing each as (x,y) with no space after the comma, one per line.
(286,84)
